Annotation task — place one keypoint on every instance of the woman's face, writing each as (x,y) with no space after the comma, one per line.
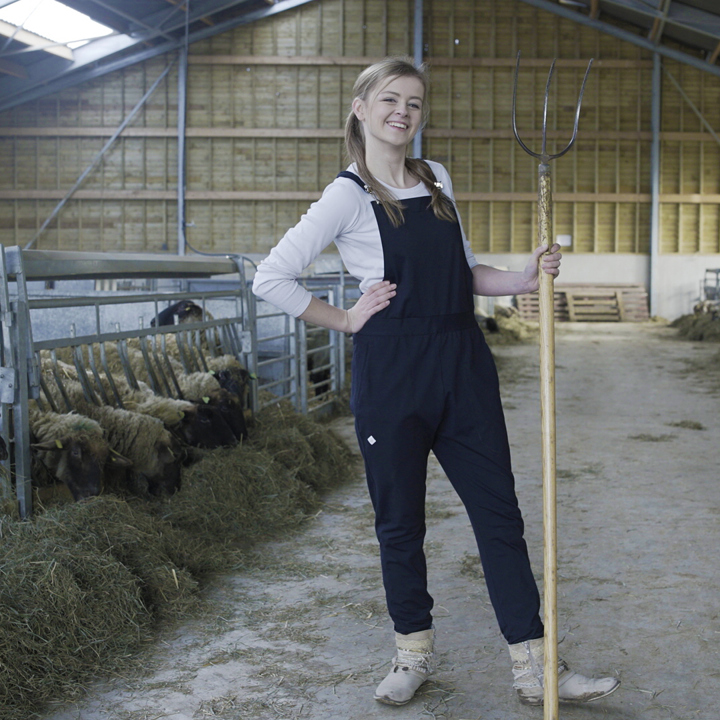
(392,114)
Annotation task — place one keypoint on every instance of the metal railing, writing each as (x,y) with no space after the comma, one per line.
(286,358)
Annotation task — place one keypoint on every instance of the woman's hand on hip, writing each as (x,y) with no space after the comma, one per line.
(372,301)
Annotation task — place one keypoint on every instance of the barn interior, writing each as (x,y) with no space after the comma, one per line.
(156,156)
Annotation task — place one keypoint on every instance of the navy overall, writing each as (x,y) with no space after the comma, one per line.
(423,379)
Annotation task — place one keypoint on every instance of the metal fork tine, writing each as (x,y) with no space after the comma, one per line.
(544,156)
(577,114)
(545,109)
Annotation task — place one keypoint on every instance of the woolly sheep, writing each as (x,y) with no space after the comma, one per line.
(73,450)
(195,423)
(142,439)
(200,387)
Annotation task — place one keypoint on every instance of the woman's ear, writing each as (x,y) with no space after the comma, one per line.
(358,107)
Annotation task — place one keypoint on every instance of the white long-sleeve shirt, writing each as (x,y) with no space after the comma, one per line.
(343,215)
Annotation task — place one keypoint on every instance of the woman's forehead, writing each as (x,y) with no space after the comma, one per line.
(406,84)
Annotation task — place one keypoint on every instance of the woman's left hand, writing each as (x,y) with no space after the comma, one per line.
(550,264)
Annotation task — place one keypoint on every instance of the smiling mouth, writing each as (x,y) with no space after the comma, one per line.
(401,126)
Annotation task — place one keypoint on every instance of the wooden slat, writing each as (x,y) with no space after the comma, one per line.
(458,62)
(592,303)
(440,133)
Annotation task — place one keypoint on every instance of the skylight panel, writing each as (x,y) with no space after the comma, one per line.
(54,21)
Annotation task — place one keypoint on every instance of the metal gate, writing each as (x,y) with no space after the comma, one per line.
(286,358)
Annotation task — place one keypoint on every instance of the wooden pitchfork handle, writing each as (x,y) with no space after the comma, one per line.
(547,393)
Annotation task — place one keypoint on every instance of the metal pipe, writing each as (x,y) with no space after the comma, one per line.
(100,155)
(655,122)
(692,105)
(182,122)
(418,58)
(624,35)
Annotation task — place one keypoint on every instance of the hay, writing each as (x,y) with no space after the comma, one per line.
(317,455)
(509,329)
(699,326)
(82,585)
(65,609)
(233,496)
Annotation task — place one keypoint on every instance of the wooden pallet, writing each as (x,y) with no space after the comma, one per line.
(591,303)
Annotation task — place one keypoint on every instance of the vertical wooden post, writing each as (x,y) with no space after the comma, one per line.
(547,419)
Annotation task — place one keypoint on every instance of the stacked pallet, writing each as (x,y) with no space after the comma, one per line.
(591,303)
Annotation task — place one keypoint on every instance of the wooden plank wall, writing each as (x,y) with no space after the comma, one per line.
(266,106)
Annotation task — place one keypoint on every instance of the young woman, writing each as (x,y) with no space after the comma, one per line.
(422,376)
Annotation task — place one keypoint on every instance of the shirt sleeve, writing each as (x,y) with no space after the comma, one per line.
(276,279)
(444,177)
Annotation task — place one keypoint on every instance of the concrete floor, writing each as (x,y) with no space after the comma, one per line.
(301,633)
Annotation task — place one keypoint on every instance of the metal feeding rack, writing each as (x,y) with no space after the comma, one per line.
(711,285)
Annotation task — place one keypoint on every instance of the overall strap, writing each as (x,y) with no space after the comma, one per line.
(352,176)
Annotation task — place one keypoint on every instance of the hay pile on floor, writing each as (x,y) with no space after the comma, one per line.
(83,585)
(506,327)
(698,326)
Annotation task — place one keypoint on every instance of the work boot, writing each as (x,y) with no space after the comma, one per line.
(528,669)
(411,667)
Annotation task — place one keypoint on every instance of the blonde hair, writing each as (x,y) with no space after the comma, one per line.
(383,72)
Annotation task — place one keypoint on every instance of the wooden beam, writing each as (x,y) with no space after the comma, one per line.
(595,9)
(312,195)
(653,35)
(713,58)
(337,133)
(205,20)
(11,68)
(37,42)
(531,197)
(363,61)
(150,132)
(324,60)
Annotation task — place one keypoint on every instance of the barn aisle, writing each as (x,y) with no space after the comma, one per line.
(301,632)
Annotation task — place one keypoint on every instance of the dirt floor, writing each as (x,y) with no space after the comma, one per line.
(301,632)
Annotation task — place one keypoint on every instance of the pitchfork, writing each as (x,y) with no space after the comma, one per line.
(547,391)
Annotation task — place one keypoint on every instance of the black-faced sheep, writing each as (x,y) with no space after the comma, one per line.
(186,311)
(71,449)
(155,453)
(200,387)
(195,423)
(231,375)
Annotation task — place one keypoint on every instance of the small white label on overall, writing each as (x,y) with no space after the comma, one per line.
(372,440)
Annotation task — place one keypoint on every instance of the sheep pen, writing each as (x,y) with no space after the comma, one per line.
(83,585)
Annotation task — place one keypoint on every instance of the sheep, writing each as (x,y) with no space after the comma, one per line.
(72,450)
(199,387)
(204,387)
(231,375)
(186,311)
(195,423)
(144,440)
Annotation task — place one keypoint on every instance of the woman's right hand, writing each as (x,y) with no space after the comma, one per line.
(372,301)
